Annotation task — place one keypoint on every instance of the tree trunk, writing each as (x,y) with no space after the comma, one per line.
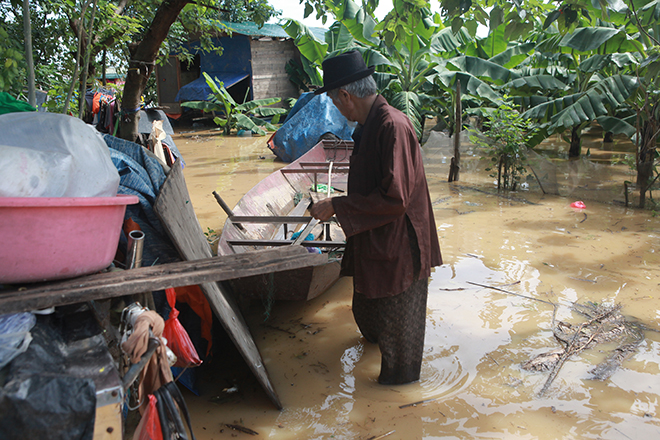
(645,159)
(455,167)
(576,143)
(142,64)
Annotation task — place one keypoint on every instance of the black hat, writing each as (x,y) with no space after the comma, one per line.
(343,69)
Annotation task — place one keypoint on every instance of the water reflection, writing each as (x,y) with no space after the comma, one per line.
(472,383)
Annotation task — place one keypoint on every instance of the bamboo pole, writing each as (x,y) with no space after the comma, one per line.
(88,52)
(27,33)
(74,77)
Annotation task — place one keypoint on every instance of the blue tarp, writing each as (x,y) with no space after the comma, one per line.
(311,117)
(230,67)
(142,175)
(199,90)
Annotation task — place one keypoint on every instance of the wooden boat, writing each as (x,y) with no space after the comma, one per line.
(274,213)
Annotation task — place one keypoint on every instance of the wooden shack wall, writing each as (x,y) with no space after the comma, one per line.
(269,77)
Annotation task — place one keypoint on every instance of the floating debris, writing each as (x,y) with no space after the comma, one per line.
(242,429)
(604,324)
(378,437)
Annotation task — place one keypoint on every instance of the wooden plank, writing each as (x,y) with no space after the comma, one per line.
(107,423)
(282,232)
(146,279)
(305,232)
(179,220)
(313,170)
(306,243)
(326,164)
(269,219)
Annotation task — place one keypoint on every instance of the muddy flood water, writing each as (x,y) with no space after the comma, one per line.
(534,248)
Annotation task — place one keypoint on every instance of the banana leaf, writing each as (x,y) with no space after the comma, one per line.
(247,123)
(470,85)
(251,105)
(408,103)
(445,41)
(481,68)
(529,85)
(360,25)
(513,55)
(310,48)
(265,112)
(206,106)
(597,62)
(617,126)
(586,39)
(569,111)
(338,37)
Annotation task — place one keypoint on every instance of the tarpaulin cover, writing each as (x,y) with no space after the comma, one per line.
(311,117)
(231,67)
(199,90)
(142,175)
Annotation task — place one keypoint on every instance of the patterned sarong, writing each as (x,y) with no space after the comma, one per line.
(397,324)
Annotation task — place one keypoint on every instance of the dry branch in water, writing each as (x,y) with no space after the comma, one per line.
(242,429)
(604,324)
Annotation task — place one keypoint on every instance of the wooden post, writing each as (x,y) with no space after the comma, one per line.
(454,168)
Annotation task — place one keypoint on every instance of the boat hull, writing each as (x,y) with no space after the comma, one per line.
(280,194)
(290,285)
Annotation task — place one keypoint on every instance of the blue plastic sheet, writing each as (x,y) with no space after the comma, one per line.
(199,89)
(142,175)
(230,67)
(311,117)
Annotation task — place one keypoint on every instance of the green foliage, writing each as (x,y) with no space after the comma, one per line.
(297,75)
(244,116)
(56,99)
(505,142)
(12,70)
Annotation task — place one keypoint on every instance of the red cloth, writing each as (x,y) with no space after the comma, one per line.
(386,183)
(194,297)
(96,103)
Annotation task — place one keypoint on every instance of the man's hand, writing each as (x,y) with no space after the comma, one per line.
(322,210)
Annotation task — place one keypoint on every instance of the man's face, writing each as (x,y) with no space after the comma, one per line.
(343,103)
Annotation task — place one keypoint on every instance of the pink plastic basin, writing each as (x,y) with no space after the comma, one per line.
(50,238)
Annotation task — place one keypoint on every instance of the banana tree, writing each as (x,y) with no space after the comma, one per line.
(591,91)
(643,126)
(399,46)
(246,116)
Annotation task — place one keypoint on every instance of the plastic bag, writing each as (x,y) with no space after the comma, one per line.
(15,335)
(177,336)
(53,155)
(149,427)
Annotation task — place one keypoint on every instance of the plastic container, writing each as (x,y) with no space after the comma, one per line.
(50,238)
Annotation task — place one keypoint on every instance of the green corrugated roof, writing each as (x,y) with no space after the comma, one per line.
(267,30)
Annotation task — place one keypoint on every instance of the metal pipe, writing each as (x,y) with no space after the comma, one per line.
(227,209)
(135,369)
(134,249)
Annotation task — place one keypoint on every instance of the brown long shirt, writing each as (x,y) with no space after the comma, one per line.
(386,184)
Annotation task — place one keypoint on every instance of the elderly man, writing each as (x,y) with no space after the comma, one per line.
(387,216)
